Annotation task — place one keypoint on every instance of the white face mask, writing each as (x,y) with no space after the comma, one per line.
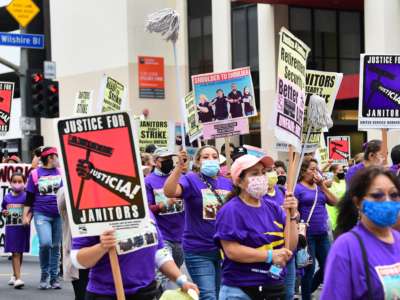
(258,186)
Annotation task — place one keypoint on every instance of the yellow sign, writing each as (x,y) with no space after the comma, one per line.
(23,11)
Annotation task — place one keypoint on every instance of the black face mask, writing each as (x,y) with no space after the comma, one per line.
(167,166)
(340,176)
(281,180)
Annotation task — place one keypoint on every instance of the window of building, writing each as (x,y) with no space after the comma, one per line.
(335,37)
(200,37)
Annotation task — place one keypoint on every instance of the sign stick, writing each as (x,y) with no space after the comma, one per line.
(385,144)
(116,272)
(228,154)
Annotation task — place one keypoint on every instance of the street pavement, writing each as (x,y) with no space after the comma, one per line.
(31,276)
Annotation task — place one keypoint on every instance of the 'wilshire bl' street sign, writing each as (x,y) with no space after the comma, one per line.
(35,41)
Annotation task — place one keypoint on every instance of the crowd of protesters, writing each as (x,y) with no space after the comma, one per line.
(227,232)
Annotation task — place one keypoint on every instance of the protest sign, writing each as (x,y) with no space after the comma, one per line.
(224,95)
(225,128)
(83,103)
(6,171)
(339,149)
(6,97)
(156,132)
(291,84)
(102,175)
(193,126)
(326,85)
(151,77)
(379,101)
(112,95)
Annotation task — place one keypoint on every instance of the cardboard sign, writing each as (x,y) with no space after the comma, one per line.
(326,85)
(194,128)
(102,174)
(291,85)
(151,77)
(379,101)
(339,149)
(322,156)
(225,95)
(112,95)
(6,170)
(83,103)
(157,132)
(226,128)
(6,97)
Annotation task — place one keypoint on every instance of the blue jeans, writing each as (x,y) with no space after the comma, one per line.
(290,279)
(232,293)
(205,270)
(49,230)
(319,247)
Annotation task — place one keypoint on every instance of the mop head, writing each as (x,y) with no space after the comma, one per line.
(166,22)
(317,113)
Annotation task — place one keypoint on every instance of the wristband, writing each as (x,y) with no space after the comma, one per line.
(181,280)
(269,257)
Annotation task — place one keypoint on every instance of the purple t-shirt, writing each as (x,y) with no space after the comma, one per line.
(255,227)
(137,268)
(201,207)
(49,182)
(278,198)
(345,271)
(17,235)
(305,196)
(172,219)
(352,171)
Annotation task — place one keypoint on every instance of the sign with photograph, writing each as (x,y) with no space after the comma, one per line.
(224,95)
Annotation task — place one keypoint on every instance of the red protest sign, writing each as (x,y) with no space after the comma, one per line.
(6,96)
(102,174)
(339,149)
(151,77)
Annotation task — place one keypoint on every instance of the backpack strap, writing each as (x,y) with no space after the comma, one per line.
(366,264)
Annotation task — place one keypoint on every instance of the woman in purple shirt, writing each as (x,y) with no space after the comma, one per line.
(203,193)
(313,194)
(373,156)
(364,262)
(251,232)
(43,184)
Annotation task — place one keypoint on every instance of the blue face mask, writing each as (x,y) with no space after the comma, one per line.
(382,214)
(210,167)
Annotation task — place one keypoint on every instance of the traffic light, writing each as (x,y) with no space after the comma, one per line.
(42,96)
(35,93)
(51,98)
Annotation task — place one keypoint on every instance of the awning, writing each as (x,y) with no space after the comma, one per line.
(332,4)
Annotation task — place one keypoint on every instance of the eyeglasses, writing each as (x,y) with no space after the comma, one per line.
(395,196)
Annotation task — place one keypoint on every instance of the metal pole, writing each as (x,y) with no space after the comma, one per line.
(9,64)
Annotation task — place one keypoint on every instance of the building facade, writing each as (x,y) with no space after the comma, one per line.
(95,37)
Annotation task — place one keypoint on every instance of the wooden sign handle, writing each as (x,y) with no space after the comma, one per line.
(385,144)
(228,154)
(116,272)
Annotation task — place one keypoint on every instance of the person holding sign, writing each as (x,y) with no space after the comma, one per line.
(17,235)
(313,194)
(251,231)
(203,193)
(364,262)
(137,267)
(169,212)
(43,184)
(373,156)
